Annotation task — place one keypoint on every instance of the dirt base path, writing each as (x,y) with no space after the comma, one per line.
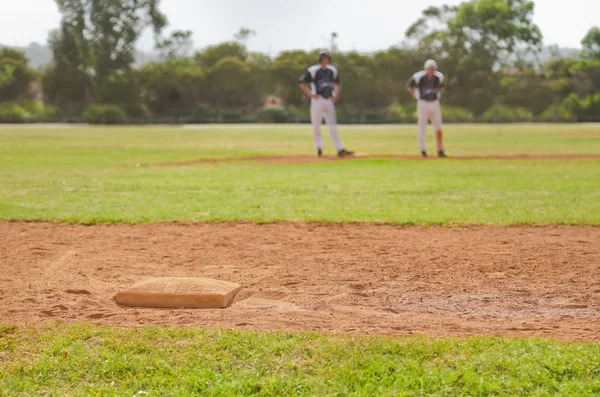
(368,279)
(324,159)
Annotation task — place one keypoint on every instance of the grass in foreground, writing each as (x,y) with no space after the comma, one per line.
(110,175)
(89,361)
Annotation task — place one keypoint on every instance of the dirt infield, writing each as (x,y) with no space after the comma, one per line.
(314,159)
(368,279)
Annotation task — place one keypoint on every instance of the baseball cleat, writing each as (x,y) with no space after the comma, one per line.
(319,152)
(344,153)
(424,153)
(441,154)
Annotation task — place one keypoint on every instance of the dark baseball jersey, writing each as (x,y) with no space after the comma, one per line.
(427,88)
(322,81)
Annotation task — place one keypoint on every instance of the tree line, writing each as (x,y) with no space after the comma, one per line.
(486,48)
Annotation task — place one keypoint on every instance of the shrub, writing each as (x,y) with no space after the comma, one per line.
(32,108)
(232,116)
(50,111)
(348,115)
(38,110)
(275,114)
(302,112)
(26,111)
(584,108)
(104,114)
(204,115)
(207,114)
(12,113)
(402,113)
(455,114)
(373,117)
(501,113)
(556,113)
(134,110)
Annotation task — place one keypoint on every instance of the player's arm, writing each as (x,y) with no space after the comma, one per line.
(412,86)
(338,87)
(305,79)
(307,91)
(442,81)
(338,92)
(412,92)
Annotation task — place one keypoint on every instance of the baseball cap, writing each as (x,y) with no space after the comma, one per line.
(430,63)
(324,54)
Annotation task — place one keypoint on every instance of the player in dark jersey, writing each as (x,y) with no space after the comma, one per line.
(322,83)
(426,87)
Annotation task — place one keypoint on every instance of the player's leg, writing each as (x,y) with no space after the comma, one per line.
(331,120)
(436,120)
(316,118)
(422,120)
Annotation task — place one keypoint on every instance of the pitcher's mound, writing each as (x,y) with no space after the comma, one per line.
(173,292)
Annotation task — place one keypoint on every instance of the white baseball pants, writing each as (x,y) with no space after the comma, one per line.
(428,111)
(324,108)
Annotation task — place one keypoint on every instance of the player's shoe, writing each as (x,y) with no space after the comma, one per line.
(424,153)
(319,152)
(442,155)
(345,153)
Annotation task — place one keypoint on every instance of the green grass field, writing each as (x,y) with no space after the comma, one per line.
(86,361)
(111,175)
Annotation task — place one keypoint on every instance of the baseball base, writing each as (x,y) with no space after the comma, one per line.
(173,292)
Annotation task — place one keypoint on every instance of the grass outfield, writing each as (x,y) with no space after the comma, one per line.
(111,175)
(86,361)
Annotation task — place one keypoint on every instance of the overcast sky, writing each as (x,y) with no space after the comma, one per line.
(363,25)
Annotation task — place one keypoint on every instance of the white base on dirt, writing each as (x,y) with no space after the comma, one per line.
(179,292)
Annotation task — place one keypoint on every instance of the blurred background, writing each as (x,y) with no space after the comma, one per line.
(195,61)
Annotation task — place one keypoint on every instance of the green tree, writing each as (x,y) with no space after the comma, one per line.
(96,43)
(173,88)
(15,75)
(66,82)
(213,54)
(231,84)
(584,108)
(471,40)
(177,45)
(365,89)
(586,77)
(333,43)
(591,45)
(525,89)
(286,69)
(260,66)
(243,35)
(392,68)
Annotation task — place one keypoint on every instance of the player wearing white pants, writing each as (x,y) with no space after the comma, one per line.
(324,92)
(429,111)
(321,108)
(426,87)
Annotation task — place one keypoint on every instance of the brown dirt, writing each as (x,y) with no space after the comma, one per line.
(314,159)
(353,278)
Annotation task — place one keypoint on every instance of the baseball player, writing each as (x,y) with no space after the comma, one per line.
(324,92)
(426,87)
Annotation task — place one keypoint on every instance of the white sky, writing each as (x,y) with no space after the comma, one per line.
(363,25)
